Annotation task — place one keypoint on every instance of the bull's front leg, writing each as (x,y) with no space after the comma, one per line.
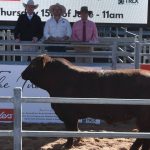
(71,125)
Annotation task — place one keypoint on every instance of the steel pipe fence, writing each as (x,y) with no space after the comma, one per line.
(17,133)
(108,49)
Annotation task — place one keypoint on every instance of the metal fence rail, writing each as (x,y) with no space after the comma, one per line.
(108,49)
(18,133)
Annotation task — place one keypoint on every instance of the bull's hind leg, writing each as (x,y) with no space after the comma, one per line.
(137,144)
(146,144)
(144,126)
(71,125)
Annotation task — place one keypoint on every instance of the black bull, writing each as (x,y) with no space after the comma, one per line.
(62,79)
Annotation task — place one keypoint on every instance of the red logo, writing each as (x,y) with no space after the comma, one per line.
(6,114)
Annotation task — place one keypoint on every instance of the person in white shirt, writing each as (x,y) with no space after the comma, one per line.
(57,28)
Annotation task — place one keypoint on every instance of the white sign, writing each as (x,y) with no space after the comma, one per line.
(10,77)
(104,11)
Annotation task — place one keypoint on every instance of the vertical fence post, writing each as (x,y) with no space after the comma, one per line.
(2,47)
(17,119)
(114,55)
(137,54)
(140,34)
(8,34)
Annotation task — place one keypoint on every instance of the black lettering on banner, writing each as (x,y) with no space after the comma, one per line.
(3,77)
(120,1)
(42,13)
(127,1)
(5,84)
(28,85)
(45,12)
(76,14)
(108,14)
(4,12)
(68,13)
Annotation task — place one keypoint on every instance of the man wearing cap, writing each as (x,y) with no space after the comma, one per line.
(57,28)
(28,27)
(84,30)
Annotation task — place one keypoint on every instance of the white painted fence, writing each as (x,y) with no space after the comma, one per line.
(108,45)
(18,133)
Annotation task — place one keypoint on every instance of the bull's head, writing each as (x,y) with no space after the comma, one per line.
(48,73)
(35,71)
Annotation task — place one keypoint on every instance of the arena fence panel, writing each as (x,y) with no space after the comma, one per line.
(18,133)
(111,48)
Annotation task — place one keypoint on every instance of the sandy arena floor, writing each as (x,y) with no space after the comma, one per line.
(6,143)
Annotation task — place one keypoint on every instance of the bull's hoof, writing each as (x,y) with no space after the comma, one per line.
(77,141)
(66,146)
(69,143)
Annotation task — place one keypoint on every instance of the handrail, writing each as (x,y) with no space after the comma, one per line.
(130,33)
(18,133)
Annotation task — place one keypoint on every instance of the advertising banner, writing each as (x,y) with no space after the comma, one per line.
(10,77)
(104,11)
(32,112)
(6,115)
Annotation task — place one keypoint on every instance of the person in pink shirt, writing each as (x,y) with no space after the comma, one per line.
(84,30)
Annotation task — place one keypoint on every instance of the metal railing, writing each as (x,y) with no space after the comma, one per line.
(18,133)
(106,40)
(108,49)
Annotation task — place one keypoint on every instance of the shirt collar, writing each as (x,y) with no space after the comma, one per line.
(58,20)
(29,16)
(85,21)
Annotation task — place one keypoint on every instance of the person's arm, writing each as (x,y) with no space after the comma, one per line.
(95,33)
(39,32)
(74,37)
(17,28)
(69,30)
(46,30)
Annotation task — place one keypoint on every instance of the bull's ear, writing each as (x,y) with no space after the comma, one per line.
(46,59)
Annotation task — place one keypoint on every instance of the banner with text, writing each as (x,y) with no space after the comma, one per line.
(10,77)
(104,11)
(32,112)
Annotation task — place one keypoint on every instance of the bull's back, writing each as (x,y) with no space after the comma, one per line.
(135,84)
(120,85)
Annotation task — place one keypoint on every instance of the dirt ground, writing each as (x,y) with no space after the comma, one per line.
(6,143)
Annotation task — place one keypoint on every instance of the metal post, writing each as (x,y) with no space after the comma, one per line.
(17,119)
(8,46)
(141,34)
(137,55)
(2,47)
(114,55)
